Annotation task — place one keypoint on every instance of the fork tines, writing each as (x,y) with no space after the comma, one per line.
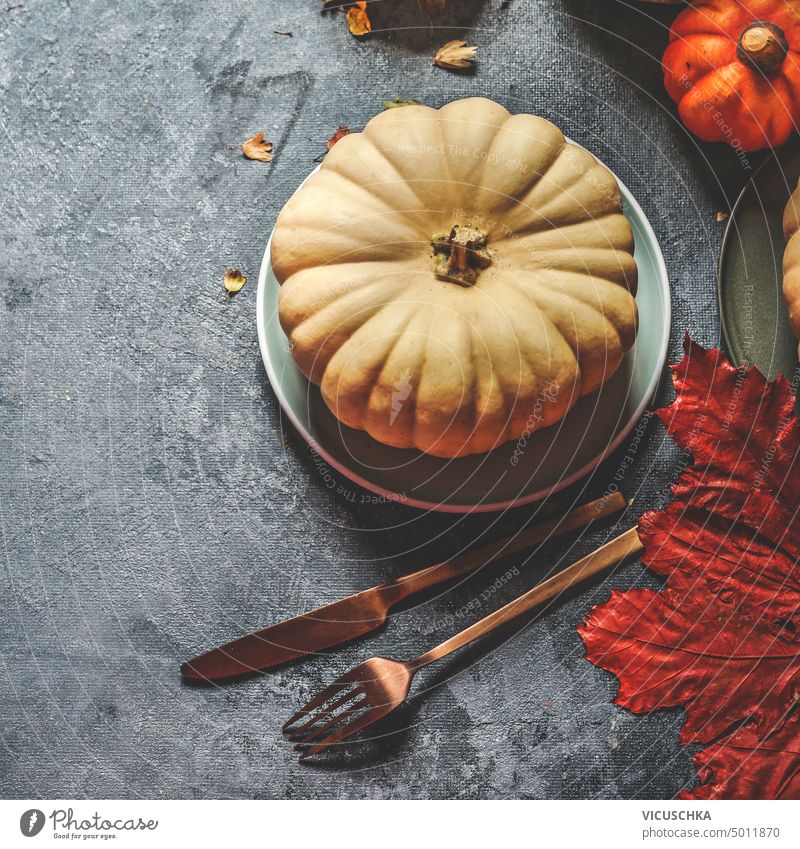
(337,712)
(352,701)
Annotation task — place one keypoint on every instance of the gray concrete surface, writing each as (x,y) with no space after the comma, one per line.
(153,502)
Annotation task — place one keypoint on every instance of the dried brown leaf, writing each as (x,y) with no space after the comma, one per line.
(257,148)
(722,216)
(343,131)
(234,280)
(358,21)
(455,55)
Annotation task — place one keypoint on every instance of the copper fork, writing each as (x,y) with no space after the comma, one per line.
(374,688)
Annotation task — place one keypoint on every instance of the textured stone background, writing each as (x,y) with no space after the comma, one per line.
(152,501)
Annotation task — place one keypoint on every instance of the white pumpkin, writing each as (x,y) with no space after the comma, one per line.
(455,278)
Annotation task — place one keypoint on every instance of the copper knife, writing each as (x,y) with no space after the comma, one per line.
(364,612)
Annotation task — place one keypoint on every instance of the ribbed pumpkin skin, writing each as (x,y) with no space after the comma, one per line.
(791,261)
(421,362)
(721,98)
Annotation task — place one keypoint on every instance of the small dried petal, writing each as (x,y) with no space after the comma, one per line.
(343,131)
(358,21)
(456,54)
(257,148)
(234,280)
(722,216)
(395,102)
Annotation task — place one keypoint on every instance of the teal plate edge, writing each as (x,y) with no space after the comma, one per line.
(635,384)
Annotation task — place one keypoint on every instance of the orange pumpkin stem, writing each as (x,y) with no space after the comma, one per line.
(763,46)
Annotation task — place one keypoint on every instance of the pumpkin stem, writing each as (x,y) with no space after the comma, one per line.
(763,46)
(460,255)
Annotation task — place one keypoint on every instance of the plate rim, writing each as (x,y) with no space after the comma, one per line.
(495,506)
(724,249)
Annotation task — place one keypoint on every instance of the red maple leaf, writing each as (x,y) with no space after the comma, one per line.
(722,638)
(746,765)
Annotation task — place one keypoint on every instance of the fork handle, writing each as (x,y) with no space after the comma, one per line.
(469,561)
(625,545)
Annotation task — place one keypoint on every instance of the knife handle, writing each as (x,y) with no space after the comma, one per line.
(462,564)
(627,544)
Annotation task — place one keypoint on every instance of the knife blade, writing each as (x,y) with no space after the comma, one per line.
(364,612)
(339,622)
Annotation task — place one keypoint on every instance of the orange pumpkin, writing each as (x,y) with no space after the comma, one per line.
(733,68)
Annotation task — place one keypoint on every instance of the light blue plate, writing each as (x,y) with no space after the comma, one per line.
(514,473)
